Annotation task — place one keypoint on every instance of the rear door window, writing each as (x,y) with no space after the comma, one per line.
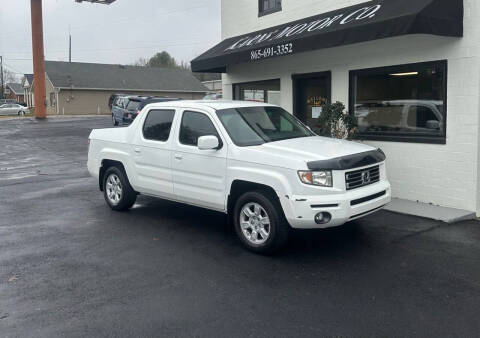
(158,124)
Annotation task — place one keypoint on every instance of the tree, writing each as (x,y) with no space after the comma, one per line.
(165,60)
(141,62)
(162,59)
(9,76)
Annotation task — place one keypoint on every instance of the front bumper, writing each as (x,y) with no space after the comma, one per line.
(300,211)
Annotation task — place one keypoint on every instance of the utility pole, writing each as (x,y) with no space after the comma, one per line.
(69,45)
(38,59)
(1,74)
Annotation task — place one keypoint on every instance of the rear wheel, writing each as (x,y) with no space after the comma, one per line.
(117,191)
(260,223)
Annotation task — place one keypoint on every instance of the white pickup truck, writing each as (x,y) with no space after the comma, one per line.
(255,162)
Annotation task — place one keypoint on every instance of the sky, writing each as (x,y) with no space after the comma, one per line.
(119,33)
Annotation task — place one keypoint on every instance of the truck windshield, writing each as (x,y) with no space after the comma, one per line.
(257,125)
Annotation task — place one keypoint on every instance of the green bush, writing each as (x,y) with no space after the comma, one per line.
(336,122)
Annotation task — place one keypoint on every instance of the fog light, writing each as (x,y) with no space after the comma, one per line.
(323,218)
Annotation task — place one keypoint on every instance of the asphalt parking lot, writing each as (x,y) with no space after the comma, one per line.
(69,266)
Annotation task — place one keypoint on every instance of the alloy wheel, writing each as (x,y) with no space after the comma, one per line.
(255,223)
(114,189)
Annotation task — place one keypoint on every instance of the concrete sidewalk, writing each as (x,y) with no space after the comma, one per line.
(438,213)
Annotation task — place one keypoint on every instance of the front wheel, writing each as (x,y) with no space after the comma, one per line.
(21,113)
(117,191)
(260,223)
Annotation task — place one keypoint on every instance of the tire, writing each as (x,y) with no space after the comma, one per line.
(117,191)
(21,113)
(251,226)
(114,121)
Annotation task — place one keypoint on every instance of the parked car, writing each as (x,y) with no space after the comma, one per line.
(255,162)
(13,109)
(112,99)
(214,96)
(119,109)
(128,108)
(400,115)
(4,101)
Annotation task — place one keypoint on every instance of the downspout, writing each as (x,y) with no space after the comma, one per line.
(56,100)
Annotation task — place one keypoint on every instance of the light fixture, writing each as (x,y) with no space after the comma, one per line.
(405,74)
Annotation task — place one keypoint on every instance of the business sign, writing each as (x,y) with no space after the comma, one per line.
(372,20)
(299,29)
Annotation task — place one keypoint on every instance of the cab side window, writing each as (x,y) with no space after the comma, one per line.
(158,124)
(195,125)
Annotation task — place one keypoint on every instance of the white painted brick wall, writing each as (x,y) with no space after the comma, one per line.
(441,174)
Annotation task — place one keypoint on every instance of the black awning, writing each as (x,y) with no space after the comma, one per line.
(364,22)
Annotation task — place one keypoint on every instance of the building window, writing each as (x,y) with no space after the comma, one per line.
(261,91)
(404,103)
(269,6)
(53,101)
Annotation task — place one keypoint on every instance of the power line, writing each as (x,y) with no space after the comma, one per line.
(158,47)
(166,43)
(12,69)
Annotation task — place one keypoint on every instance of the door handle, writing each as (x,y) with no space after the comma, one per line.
(137,149)
(178,156)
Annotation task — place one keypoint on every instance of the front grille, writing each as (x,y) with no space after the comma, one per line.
(361,178)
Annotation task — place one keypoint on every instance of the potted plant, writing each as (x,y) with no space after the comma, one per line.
(336,122)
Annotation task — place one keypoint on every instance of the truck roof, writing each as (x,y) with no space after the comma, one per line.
(214,104)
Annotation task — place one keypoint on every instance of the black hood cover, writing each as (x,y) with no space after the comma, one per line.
(349,162)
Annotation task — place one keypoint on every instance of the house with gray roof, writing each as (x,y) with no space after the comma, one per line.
(84,88)
(14,91)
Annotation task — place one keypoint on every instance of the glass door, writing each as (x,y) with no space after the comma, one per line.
(311,92)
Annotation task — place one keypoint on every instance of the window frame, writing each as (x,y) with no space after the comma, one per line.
(220,142)
(401,136)
(259,83)
(171,127)
(262,12)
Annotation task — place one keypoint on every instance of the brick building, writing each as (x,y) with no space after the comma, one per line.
(14,91)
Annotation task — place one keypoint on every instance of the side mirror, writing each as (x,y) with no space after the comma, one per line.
(208,142)
(433,124)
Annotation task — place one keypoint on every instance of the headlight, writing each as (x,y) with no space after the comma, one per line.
(320,178)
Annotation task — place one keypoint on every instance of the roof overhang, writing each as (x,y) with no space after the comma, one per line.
(368,21)
(134,90)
